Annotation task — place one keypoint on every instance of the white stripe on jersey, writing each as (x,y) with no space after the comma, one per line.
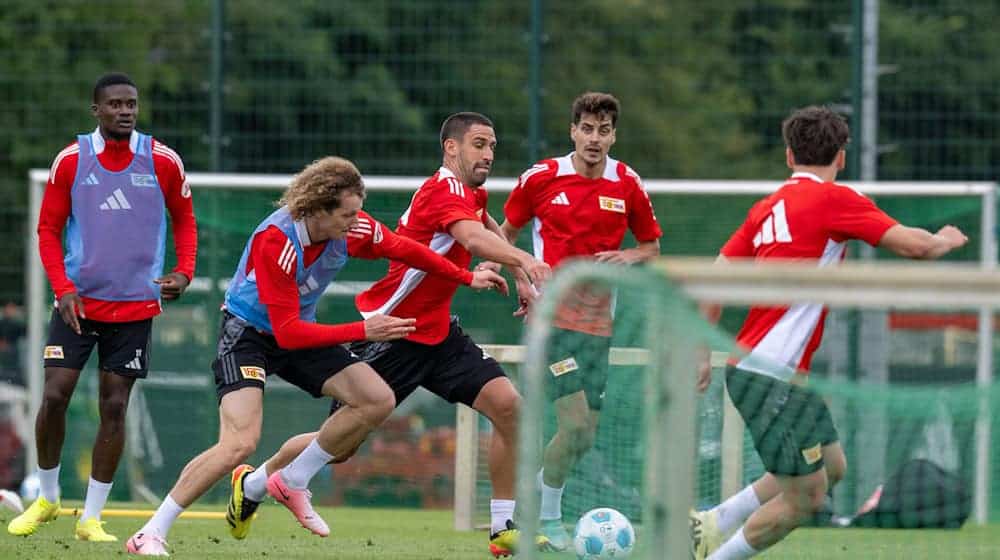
(67,151)
(534,170)
(455,186)
(361,230)
(441,243)
(287,257)
(778,354)
(631,173)
(363,225)
(164,150)
(538,243)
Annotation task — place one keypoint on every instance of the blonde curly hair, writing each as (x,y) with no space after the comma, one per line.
(321,186)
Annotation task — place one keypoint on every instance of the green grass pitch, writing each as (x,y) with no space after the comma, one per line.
(368,534)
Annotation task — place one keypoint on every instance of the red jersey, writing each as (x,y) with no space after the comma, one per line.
(274,266)
(408,292)
(805,219)
(577,217)
(114,155)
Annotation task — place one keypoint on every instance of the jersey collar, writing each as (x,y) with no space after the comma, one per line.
(99,143)
(566,168)
(806,175)
(303,232)
(445,173)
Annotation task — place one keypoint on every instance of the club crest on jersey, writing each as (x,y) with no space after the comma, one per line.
(813,454)
(563,367)
(54,353)
(253,372)
(142,180)
(612,204)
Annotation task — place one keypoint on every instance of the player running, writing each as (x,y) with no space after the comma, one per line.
(448,215)
(581,205)
(269,328)
(809,218)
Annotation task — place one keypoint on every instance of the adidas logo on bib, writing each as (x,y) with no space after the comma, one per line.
(116,201)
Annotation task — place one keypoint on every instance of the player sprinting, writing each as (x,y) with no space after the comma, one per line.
(809,217)
(109,190)
(581,205)
(448,215)
(269,328)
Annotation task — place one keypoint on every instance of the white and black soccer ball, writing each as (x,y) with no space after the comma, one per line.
(603,533)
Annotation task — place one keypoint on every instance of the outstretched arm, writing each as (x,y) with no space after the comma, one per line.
(419,256)
(278,290)
(373,240)
(486,244)
(918,243)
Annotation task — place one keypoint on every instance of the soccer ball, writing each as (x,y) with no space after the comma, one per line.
(603,533)
(11,501)
(31,487)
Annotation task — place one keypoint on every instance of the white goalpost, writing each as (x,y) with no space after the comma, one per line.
(467,425)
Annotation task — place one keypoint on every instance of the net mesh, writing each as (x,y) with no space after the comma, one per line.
(910,440)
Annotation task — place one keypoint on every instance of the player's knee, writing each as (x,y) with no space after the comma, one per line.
(580,436)
(239,447)
(378,407)
(836,468)
(113,408)
(506,412)
(812,499)
(55,401)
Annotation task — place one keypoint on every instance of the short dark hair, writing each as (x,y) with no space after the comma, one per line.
(596,103)
(112,79)
(815,135)
(455,126)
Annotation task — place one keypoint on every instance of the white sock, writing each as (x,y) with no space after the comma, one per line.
(551,499)
(500,512)
(736,548)
(97,496)
(48,479)
(734,512)
(255,484)
(164,518)
(300,471)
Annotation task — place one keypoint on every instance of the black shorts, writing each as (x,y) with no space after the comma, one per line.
(790,424)
(246,356)
(122,348)
(455,369)
(578,362)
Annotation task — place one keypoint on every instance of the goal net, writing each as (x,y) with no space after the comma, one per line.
(918,439)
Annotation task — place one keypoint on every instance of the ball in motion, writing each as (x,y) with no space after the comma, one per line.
(603,533)
(11,501)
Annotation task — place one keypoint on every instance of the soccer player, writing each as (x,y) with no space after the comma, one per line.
(269,328)
(581,204)
(109,190)
(809,218)
(448,215)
